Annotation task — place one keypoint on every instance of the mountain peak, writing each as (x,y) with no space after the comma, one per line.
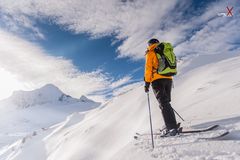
(46,94)
(50,86)
(85,99)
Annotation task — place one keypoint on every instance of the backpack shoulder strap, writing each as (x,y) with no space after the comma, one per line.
(159,49)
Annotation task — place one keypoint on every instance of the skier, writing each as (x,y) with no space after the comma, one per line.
(161,86)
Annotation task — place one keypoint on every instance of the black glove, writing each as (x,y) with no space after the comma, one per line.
(147,84)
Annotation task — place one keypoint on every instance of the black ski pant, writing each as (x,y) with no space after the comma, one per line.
(162,90)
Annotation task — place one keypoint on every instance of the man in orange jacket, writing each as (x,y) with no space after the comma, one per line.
(161,86)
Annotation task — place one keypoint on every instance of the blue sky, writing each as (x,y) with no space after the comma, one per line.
(88,53)
(96,47)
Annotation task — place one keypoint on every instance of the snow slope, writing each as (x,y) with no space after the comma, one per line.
(28,111)
(211,91)
(206,95)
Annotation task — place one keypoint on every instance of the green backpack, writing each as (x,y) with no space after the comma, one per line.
(166,59)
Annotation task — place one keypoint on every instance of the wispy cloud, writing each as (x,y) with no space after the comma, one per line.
(32,66)
(20,24)
(121,82)
(212,34)
(133,22)
(126,88)
(130,21)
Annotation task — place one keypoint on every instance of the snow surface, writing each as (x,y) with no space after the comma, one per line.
(26,112)
(205,95)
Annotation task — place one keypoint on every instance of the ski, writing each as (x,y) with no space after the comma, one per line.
(181,130)
(215,137)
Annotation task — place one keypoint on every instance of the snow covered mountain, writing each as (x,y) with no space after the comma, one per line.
(85,99)
(206,95)
(27,111)
(47,94)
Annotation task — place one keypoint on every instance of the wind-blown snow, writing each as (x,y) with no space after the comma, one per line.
(205,95)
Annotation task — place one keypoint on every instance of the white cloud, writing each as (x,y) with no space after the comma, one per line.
(217,36)
(121,82)
(8,84)
(32,67)
(133,21)
(19,23)
(127,88)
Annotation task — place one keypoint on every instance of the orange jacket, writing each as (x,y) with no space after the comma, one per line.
(151,65)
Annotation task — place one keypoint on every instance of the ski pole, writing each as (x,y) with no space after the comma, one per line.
(173,108)
(177,113)
(150,117)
